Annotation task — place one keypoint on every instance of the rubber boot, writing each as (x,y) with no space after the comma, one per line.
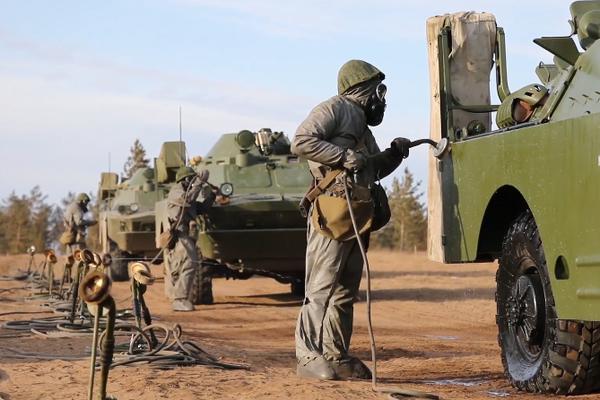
(315,368)
(351,368)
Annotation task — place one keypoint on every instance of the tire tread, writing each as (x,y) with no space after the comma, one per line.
(572,364)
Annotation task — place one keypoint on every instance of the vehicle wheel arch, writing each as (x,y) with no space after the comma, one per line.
(506,204)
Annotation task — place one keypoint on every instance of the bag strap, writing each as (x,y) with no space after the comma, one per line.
(323,184)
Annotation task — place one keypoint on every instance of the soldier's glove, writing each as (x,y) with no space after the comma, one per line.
(91,222)
(400,147)
(353,160)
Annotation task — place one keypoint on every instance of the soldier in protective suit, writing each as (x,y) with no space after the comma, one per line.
(190,197)
(335,135)
(75,223)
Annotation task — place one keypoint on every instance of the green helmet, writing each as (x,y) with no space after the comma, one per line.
(184,172)
(354,72)
(82,198)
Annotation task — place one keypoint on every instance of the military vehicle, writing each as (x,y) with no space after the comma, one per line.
(257,228)
(126,217)
(525,193)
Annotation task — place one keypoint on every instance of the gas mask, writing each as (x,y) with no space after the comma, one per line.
(185,182)
(376,105)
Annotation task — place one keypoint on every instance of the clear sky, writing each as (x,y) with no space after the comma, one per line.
(81,79)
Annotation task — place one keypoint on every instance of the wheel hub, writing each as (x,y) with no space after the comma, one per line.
(525,313)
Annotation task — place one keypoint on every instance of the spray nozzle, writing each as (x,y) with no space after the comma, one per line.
(441,147)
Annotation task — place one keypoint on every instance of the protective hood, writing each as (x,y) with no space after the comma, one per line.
(362,93)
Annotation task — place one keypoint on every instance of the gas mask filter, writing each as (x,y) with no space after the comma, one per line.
(376,105)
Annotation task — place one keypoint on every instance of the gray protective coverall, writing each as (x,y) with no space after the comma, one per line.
(330,135)
(182,260)
(75,222)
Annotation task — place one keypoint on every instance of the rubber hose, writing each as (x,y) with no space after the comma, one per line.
(391,391)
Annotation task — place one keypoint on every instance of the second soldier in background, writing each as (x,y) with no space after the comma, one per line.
(190,196)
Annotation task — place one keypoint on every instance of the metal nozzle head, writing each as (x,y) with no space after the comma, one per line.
(97,259)
(87,256)
(441,148)
(51,256)
(95,287)
(140,272)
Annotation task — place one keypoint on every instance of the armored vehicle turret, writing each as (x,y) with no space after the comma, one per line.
(126,218)
(525,192)
(256,229)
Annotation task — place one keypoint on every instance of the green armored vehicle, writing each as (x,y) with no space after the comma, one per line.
(126,218)
(257,228)
(525,193)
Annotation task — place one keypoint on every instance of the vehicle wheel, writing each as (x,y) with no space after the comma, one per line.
(298,288)
(539,352)
(119,270)
(119,266)
(202,287)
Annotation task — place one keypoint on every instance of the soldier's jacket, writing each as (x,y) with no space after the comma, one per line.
(332,130)
(196,202)
(74,221)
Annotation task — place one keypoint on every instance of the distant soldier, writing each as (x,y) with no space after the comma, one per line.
(75,224)
(190,197)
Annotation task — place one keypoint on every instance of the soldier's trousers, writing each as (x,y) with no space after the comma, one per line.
(333,273)
(182,262)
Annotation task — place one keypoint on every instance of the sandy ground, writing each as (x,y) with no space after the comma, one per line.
(434,327)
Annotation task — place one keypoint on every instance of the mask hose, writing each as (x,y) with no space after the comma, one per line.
(393,392)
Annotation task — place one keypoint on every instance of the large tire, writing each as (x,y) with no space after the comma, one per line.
(540,353)
(119,268)
(202,287)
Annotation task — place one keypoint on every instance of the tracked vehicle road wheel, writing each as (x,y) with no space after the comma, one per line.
(539,352)
(202,287)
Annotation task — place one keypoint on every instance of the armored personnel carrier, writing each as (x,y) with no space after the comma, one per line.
(257,228)
(126,217)
(524,192)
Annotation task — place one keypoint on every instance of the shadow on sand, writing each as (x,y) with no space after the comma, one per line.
(431,294)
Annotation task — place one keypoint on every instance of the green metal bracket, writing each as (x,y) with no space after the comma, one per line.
(501,70)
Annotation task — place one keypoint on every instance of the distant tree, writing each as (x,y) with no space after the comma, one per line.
(137,159)
(407,229)
(17,224)
(40,219)
(27,220)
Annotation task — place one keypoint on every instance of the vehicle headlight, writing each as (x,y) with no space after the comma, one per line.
(134,207)
(226,189)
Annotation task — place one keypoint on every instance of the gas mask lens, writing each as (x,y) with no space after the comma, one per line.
(380,92)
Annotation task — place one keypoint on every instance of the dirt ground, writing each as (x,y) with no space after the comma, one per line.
(434,327)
